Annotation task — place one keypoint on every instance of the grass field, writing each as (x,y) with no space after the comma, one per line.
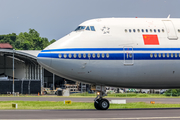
(129,95)
(119,95)
(78,105)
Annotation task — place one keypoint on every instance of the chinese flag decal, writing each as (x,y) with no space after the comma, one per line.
(150,39)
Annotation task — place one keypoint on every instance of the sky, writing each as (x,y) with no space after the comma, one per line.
(54,19)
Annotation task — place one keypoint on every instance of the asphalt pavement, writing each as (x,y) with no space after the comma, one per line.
(121,114)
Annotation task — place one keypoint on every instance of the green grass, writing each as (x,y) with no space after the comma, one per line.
(78,105)
(93,95)
(143,105)
(84,94)
(124,95)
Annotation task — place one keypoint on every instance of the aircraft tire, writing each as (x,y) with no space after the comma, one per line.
(96,104)
(103,104)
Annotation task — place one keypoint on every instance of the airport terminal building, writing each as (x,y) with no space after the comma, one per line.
(29,77)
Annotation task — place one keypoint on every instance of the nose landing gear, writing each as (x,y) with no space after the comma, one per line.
(100,103)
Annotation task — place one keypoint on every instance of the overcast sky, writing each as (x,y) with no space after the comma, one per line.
(55,18)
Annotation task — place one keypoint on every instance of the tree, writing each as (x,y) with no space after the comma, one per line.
(45,42)
(26,41)
(53,40)
(173,92)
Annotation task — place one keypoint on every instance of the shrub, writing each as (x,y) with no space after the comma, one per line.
(173,92)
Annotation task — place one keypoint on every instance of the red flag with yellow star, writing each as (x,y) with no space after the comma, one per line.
(150,39)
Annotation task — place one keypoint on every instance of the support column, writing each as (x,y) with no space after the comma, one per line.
(13,71)
(26,71)
(38,72)
(30,71)
(42,78)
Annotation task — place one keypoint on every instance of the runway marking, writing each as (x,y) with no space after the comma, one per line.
(139,118)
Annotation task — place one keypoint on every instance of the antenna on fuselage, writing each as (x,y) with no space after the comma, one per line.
(168,16)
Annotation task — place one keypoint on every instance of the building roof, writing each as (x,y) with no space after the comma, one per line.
(25,55)
(30,52)
(5,46)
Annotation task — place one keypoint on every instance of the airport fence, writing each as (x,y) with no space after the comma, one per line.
(21,86)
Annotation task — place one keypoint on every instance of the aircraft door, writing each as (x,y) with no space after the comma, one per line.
(128,55)
(170,30)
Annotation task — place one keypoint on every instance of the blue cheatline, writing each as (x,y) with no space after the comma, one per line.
(112,49)
(114,56)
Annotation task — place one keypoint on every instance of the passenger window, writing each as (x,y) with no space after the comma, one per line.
(94,55)
(179,30)
(87,28)
(92,28)
(138,30)
(142,30)
(171,54)
(159,55)
(151,55)
(70,55)
(60,55)
(79,55)
(154,30)
(125,30)
(175,54)
(74,55)
(98,55)
(65,55)
(84,55)
(162,30)
(179,54)
(155,55)
(146,30)
(134,30)
(129,30)
(107,55)
(102,55)
(150,30)
(163,54)
(159,30)
(167,54)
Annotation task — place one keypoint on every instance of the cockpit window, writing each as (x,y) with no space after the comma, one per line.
(92,28)
(87,28)
(80,28)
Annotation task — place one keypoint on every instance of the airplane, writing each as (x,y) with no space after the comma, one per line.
(119,52)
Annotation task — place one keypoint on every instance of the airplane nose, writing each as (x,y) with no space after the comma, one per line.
(44,58)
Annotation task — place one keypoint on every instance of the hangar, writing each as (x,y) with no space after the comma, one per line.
(20,72)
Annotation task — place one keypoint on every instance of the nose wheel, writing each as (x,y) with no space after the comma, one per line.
(101,104)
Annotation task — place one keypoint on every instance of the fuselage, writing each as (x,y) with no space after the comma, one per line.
(120,52)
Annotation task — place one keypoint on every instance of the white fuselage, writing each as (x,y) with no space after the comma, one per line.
(120,52)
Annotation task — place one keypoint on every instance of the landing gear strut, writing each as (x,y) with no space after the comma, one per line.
(100,103)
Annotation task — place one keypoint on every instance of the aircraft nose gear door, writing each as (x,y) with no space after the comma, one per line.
(128,55)
(171,33)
